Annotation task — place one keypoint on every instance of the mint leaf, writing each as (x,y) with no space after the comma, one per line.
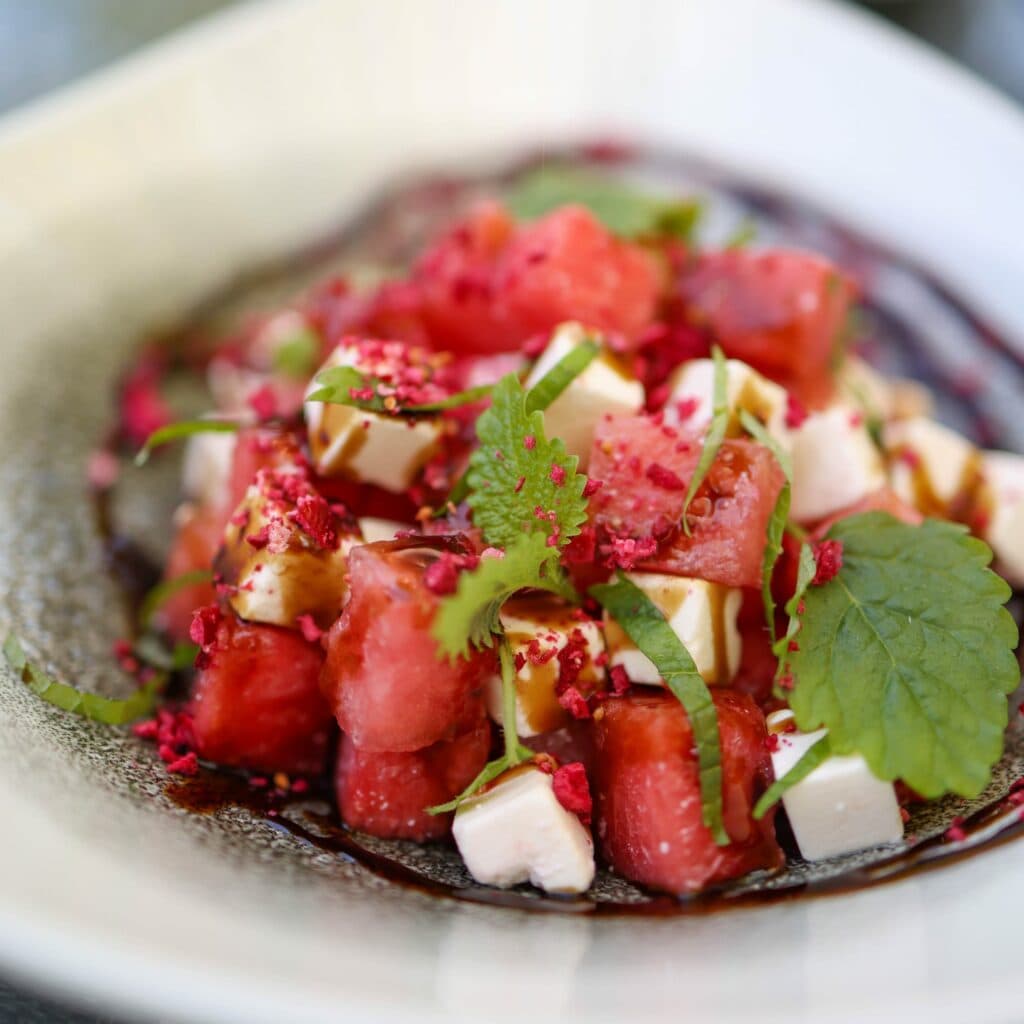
(716,431)
(184,428)
(806,569)
(645,625)
(519,481)
(906,656)
(621,208)
(561,375)
(744,233)
(297,356)
(107,710)
(816,754)
(165,590)
(469,617)
(342,385)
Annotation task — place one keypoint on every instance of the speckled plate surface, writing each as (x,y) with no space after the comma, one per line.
(106,885)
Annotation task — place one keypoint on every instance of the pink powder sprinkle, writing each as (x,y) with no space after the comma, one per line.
(573,791)
(263,402)
(557,475)
(529,442)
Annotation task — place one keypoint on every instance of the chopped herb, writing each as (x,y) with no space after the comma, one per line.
(744,233)
(645,625)
(716,431)
(345,385)
(184,428)
(297,356)
(806,568)
(107,710)
(814,755)
(165,590)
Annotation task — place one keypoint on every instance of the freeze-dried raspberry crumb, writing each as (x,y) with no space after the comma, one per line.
(626,552)
(620,680)
(829,558)
(203,632)
(663,477)
(796,414)
(591,487)
(529,442)
(573,791)
(263,402)
(786,681)
(538,655)
(686,407)
(187,764)
(557,475)
(313,515)
(311,632)
(260,539)
(771,741)
(574,702)
(571,659)
(442,577)
(955,833)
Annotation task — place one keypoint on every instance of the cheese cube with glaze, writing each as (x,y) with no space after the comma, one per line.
(285,552)
(933,468)
(374,529)
(835,463)
(554,649)
(206,469)
(516,831)
(605,387)
(691,399)
(1002,524)
(701,614)
(372,448)
(841,806)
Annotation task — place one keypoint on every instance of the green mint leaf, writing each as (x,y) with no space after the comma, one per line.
(645,625)
(298,355)
(621,208)
(816,754)
(716,431)
(906,656)
(165,590)
(184,428)
(469,617)
(517,476)
(153,651)
(806,569)
(515,753)
(780,513)
(743,235)
(107,710)
(338,383)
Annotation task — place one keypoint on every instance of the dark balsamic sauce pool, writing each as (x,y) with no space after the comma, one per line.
(310,819)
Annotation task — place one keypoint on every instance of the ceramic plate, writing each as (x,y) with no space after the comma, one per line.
(126,201)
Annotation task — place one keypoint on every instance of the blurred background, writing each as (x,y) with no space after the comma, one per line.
(45,44)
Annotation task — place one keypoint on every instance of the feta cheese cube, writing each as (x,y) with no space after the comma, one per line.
(1003,511)
(372,448)
(540,629)
(605,387)
(841,806)
(701,614)
(835,463)
(207,467)
(285,552)
(932,468)
(517,831)
(374,529)
(692,392)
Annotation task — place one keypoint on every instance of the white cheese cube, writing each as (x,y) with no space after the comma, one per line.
(841,806)
(605,387)
(285,552)
(539,629)
(835,463)
(701,614)
(374,529)
(931,467)
(517,831)
(692,391)
(207,467)
(1004,515)
(386,450)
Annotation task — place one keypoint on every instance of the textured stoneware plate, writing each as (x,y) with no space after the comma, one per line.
(129,199)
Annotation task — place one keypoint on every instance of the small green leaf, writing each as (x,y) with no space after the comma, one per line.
(745,233)
(184,428)
(516,471)
(645,625)
(107,710)
(339,382)
(621,208)
(806,569)
(814,755)
(906,655)
(469,617)
(298,355)
(561,375)
(716,431)
(165,590)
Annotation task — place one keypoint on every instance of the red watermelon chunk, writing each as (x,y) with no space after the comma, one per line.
(384,678)
(385,794)
(256,701)
(648,794)
(199,534)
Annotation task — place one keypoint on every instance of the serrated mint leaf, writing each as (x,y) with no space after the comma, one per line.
(184,428)
(906,655)
(645,625)
(715,434)
(519,481)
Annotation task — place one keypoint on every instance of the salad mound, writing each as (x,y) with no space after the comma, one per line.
(581,543)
